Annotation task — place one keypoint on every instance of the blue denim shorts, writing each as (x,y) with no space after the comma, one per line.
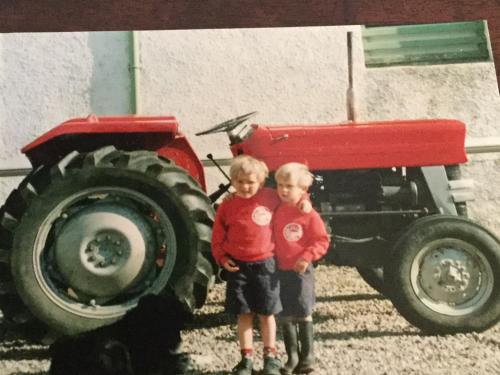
(254,288)
(297,292)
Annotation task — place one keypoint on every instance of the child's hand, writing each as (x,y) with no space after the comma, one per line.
(304,206)
(230,266)
(228,197)
(301,266)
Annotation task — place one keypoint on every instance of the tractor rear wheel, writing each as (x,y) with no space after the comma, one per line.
(445,273)
(89,236)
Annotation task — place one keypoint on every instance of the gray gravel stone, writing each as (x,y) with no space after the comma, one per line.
(357,332)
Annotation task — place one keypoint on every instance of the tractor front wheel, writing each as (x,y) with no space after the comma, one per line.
(445,275)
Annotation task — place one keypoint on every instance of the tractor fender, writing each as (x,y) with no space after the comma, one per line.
(129,133)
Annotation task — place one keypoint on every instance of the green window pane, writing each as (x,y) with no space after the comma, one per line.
(443,43)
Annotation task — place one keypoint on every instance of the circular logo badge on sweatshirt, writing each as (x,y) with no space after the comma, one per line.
(293,232)
(261,216)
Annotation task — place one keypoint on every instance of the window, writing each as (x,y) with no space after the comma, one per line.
(442,43)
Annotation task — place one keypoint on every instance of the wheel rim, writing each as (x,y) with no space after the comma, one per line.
(452,277)
(102,248)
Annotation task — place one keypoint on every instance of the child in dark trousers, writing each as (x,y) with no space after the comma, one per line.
(242,244)
(300,240)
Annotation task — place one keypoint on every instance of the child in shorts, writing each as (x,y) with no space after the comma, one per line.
(301,239)
(242,243)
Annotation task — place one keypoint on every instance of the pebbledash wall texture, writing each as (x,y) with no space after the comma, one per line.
(203,77)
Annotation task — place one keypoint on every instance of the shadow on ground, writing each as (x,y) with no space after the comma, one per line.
(351,297)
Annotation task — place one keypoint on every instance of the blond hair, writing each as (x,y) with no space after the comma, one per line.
(246,164)
(295,172)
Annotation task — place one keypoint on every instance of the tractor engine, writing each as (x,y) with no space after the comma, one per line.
(363,193)
(368,208)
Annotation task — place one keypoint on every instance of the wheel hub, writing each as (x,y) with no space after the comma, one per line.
(104,249)
(107,249)
(451,276)
(448,275)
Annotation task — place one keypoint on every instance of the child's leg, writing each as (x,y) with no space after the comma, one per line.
(245,336)
(306,352)
(268,333)
(272,365)
(245,333)
(290,339)
(297,295)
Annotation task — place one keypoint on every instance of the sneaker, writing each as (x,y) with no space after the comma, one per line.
(272,366)
(244,367)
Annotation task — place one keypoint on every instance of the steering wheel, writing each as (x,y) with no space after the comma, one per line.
(228,125)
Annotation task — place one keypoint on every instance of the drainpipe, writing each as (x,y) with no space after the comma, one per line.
(134,71)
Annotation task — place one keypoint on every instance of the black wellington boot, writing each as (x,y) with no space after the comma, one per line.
(306,352)
(291,346)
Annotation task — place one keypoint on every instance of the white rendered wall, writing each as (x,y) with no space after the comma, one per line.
(47,78)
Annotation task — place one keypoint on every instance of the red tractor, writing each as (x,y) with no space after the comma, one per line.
(116,207)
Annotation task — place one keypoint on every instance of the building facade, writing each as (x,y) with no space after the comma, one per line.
(203,77)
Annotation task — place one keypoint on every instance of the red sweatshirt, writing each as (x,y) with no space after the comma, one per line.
(298,235)
(243,229)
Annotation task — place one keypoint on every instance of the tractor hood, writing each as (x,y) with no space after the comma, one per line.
(381,144)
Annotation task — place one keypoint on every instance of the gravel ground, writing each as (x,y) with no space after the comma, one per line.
(357,332)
